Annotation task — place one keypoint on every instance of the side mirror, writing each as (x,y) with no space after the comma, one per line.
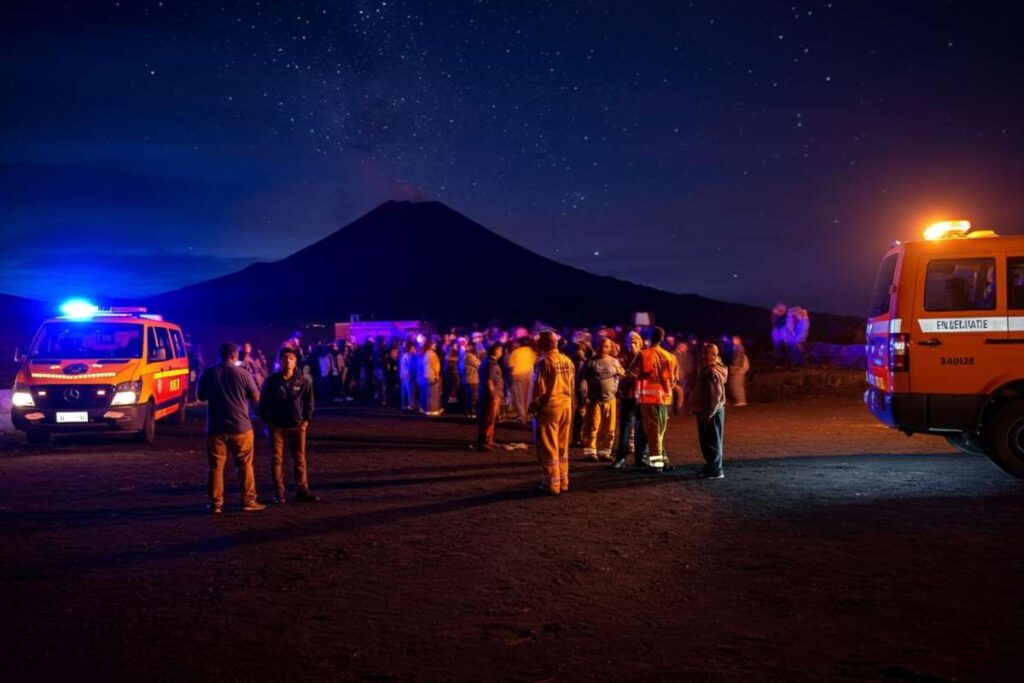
(19,357)
(158,355)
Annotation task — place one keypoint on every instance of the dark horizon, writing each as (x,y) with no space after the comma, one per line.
(742,154)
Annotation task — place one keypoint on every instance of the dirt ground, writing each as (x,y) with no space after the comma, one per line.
(835,549)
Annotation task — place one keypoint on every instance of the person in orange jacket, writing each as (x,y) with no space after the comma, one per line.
(659,372)
(553,382)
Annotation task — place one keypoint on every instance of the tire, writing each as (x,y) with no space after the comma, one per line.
(37,438)
(1004,439)
(971,444)
(178,416)
(147,434)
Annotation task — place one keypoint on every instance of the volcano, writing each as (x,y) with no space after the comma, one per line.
(425,261)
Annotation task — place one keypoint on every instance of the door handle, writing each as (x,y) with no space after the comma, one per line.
(930,342)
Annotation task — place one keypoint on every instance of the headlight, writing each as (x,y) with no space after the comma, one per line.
(21,398)
(127,393)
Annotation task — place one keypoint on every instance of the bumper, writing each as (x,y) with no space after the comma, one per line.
(926,413)
(121,418)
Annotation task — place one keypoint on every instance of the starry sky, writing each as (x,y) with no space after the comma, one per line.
(745,151)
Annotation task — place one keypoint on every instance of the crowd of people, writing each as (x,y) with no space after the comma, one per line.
(610,392)
(791,326)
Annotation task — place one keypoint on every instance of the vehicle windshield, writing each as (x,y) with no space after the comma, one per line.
(880,296)
(88,339)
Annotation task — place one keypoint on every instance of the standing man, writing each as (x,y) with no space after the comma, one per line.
(430,381)
(521,364)
(286,408)
(630,421)
(227,389)
(658,372)
(709,407)
(492,391)
(552,410)
(598,387)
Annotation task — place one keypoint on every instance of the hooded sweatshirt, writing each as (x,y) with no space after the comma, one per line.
(709,394)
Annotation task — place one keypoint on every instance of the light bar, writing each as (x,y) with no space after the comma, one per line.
(944,229)
(78,308)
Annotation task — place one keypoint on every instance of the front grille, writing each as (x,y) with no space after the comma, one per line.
(73,396)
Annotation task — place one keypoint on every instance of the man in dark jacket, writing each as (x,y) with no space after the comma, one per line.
(286,408)
(227,389)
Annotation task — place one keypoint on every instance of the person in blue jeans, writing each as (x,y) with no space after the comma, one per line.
(629,410)
(709,406)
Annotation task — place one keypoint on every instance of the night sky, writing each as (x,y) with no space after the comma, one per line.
(744,151)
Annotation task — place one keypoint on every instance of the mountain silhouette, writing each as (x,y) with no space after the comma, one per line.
(425,261)
(416,261)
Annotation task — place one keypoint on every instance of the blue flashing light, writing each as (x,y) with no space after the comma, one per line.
(79,308)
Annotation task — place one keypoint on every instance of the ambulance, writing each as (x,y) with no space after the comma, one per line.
(945,341)
(92,369)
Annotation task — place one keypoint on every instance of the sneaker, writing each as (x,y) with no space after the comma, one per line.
(214,509)
(253,507)
(279,499)
(307,497)
(618,464)
(710,475)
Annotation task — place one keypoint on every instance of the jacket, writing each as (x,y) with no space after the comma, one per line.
(286,403)
(709,393)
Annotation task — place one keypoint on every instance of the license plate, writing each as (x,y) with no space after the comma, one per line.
(72,417)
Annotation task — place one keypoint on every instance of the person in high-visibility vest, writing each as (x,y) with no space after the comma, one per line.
(658,373)
(553,383)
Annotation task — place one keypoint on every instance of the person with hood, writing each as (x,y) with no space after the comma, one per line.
(708,405)
(553,383)
(629,422)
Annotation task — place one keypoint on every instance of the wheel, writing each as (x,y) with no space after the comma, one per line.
(36,437)
(178,416)
(966,443)
(1004,439)
(148,432)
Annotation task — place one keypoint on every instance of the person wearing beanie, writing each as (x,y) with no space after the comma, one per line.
(629,422)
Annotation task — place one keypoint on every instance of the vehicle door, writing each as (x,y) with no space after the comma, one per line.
(177,375)
(1015,305)
(960,323)
(160,358)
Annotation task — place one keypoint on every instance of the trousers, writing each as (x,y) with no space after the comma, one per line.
(630,424)
(239,447)
(551,429)
(711,435)
(655,419)
(486,418)
(599,428)
(295,440)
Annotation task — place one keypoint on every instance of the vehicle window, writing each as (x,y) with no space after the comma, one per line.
(86,339)
(158,339)
(967,284)
(880,296)
(1015,282)
(178,343)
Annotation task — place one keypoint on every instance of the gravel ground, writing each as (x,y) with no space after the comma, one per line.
(835,549)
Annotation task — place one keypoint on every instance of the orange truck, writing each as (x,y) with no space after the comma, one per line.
(945,341)
(95,369)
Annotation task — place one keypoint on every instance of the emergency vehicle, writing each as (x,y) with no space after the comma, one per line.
(945,341)
(95,369)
